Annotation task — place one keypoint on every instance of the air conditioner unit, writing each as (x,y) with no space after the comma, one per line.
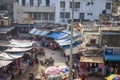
(63,20)
(63,9)
(76,9)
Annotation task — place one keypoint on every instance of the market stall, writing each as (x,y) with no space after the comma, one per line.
(92,65)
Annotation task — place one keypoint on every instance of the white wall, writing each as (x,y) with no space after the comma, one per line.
(20,2)
(35,2)
(28,2)
(95,9)
(51,2)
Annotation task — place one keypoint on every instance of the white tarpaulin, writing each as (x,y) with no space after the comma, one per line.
(75,51)
(33,31)
(16,55)
(4,63)
(21,43)
(17,49)
(75,34)
(5,56)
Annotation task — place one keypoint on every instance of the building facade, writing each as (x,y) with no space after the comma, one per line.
(60,11)
(88,10)
(28,11)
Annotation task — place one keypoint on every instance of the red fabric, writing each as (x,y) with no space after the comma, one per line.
(65,79)
(83,77)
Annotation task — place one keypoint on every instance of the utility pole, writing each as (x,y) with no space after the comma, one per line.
(71,45)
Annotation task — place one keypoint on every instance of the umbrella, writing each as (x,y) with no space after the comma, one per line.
(54,77)
(64,69)
(113,77)
(52,70)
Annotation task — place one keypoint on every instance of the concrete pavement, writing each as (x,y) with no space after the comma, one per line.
(59,60)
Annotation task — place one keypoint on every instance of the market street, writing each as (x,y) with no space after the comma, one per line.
(59,60)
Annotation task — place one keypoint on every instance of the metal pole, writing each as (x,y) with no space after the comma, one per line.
(71,45)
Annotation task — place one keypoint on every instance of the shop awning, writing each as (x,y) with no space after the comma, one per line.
(112,57)
(5,30)
(35,31)
(5,56)
(24,25)
(75,34)
(17,49)
(67,51)
(16,55)
(92,59)
(4,63)
(110,33)
(94,48)
(57,35)
(18,43)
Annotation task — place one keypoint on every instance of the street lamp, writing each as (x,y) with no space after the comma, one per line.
(71,44)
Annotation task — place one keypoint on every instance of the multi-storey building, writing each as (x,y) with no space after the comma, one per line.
(60,11)
(84,9)
(26,11)
(116,10)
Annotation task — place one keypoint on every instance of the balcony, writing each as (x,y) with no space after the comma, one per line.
(40,8)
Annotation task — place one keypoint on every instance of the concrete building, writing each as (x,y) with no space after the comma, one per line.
(60,11)
(29,11)
(84,9)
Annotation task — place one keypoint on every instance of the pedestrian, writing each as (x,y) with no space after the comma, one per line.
(83,77)
(31,76)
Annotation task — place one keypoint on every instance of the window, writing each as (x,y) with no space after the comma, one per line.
(39,2)
(92,41)
(77,5)
(51,16)
(31,2)
(45,16)
(23,2)
(108,5)
(90,14)
(70,4)
(67,15)
(90,3)
(47,2)
(62,14)
(62,4)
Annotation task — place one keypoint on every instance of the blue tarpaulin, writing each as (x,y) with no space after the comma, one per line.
(57,35)
(35,31)
(68,46)
(112,57)
(112,54)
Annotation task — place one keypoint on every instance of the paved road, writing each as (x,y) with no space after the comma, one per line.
(59,60)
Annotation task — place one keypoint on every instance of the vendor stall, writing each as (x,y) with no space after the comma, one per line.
(92,59)
(92,65)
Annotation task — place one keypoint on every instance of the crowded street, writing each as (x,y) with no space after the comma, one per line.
(59,61)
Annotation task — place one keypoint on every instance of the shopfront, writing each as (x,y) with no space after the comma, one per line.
(112,60)
(92,65)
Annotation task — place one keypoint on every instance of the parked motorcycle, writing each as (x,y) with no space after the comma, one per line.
(49,62)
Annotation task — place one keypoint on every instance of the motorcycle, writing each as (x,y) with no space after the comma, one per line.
(49,62)
(31,76)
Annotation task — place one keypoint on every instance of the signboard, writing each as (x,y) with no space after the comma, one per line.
(109,51)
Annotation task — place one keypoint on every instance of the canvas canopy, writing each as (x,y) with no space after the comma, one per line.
(5,56)
(4,63)
(92,59)
(17,49)
(57,35)
(16,56)
(67,51)
(75,34)
(19,43)
(35,31)
(10,56)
